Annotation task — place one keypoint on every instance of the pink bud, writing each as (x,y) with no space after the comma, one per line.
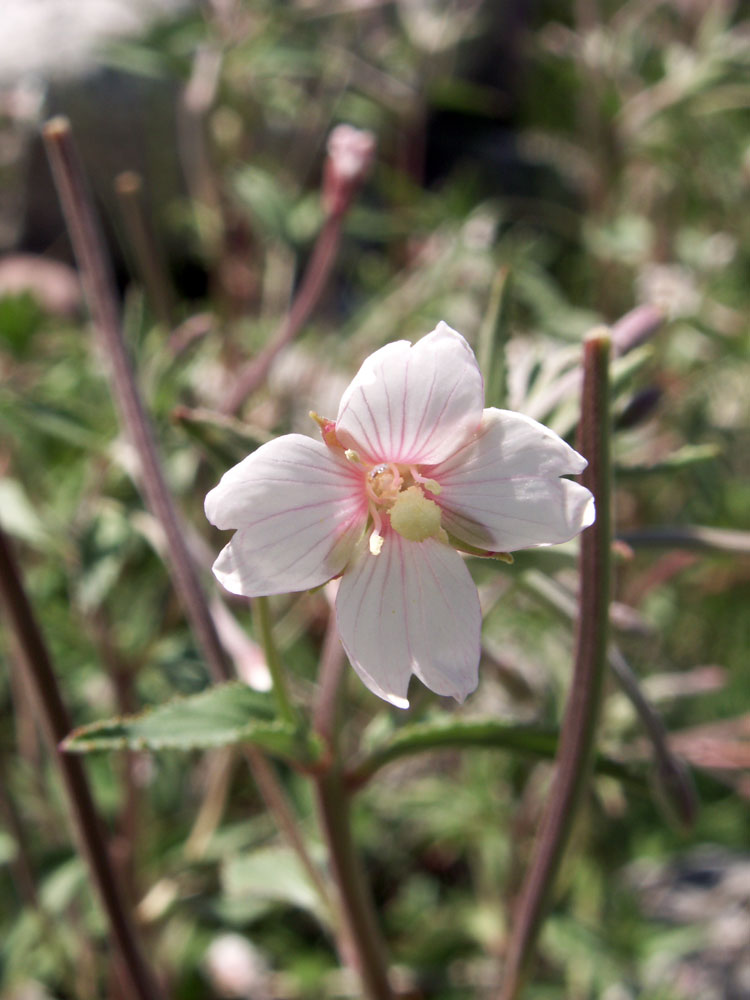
(350,155)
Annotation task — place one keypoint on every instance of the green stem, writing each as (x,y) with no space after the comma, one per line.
(577,738)
(273,795)
(493,337)
(690,536)
(363,932)
(262,614)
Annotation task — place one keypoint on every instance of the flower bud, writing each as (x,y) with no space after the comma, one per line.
(350,155)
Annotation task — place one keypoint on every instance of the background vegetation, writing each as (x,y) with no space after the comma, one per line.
(537,172)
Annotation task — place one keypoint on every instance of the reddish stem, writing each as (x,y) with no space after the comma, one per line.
(576,746)
(316,277)
(137,979)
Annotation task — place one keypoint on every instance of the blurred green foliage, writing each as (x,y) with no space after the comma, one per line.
(604,165)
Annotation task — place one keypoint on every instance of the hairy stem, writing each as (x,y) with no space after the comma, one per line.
(576,748)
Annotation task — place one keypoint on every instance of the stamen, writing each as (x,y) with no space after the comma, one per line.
(376,543)
(376,538)
(429,484)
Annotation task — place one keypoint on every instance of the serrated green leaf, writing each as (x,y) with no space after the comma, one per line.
(221,716)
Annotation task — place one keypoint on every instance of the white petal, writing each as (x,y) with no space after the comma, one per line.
(299,509)
(413,404)
(411,609)
(502,490)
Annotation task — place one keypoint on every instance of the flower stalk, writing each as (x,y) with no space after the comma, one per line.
(576,748)
(138,981)
(359,940)
(330,676)
(262,614)
(148,260)
(97,281)
(98,284)
(363,935)
(350,155)
(323,257)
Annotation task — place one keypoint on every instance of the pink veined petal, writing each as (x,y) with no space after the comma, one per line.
(502,490)
(413,403)
(299,510)
(411,609)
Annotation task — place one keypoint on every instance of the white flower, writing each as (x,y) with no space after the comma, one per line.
(411,467)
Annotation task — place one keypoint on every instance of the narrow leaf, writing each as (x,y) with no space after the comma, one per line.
(449,732)
(223,438)
(682,458)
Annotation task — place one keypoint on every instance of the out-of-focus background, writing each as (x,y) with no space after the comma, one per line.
(540,168)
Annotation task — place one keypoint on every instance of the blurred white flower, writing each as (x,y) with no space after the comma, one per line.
(236,968)
(670,287)
(351,152)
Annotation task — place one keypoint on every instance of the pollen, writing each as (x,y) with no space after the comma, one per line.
(415,517)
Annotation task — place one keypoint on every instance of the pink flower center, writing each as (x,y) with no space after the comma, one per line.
(393,491)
